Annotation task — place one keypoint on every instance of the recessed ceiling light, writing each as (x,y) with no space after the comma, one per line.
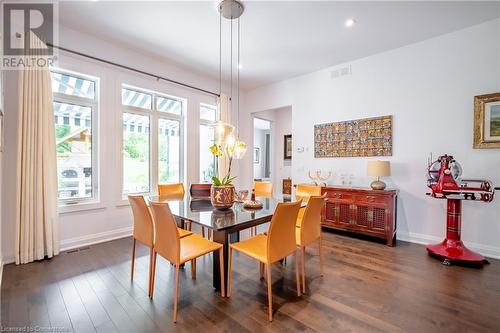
(240,66)
(350,22)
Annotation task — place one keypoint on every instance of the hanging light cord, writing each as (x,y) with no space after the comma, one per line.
(231,67)
(238,84)
(220,52)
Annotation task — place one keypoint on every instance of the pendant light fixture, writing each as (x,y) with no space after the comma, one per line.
(224,132)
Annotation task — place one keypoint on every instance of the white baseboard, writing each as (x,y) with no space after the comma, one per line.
(101,237)
(485,250)
(87,240)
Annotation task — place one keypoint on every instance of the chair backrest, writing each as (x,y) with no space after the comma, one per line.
(171,191)
(200,191)
(281,236)
(310,228)
(304,191)
(167,239)
(143,222)
(263,189)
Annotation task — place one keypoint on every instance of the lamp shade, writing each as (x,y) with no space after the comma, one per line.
(379,168)
(222,132)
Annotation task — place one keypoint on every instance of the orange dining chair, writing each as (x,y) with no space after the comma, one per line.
(264,190)
(201,192)
(267,249)
(144,230)
(304,191)
(173,191)
(177,250)
(310,231)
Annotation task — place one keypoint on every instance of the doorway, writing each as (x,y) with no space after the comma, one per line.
(262,162)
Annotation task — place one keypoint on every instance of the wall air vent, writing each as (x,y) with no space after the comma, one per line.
(347,70)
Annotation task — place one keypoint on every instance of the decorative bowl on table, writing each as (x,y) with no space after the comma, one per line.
(252,204)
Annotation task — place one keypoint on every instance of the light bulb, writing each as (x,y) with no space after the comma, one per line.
(350,22)
(240,149)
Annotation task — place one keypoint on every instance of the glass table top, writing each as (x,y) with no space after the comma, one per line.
(201,211)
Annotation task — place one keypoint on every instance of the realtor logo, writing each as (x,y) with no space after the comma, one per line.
(29,33)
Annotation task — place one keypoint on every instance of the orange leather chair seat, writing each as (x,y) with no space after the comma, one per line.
(195,246)
(255,247)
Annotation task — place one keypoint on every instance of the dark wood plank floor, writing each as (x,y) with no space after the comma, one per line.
(367,287)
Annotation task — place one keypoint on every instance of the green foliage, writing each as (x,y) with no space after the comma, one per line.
(61,132)
(227,180)
(165,175)
(136,146)
(495,127)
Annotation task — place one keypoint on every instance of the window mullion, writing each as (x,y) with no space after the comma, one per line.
(154,160)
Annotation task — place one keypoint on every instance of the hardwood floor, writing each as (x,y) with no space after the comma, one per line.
(367,287)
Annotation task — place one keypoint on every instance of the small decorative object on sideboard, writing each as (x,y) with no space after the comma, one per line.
(361,210)
(378,169)
(487,121)
(318,179)
(444,182)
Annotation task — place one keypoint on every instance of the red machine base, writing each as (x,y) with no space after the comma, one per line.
(454,251)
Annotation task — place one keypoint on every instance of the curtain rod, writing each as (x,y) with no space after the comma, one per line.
(133,69)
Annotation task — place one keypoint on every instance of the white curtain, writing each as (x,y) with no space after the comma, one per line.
(37,230)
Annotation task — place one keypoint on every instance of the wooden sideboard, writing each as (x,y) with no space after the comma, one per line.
(361,210)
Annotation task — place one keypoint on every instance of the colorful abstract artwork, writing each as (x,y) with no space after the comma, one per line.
(354,138)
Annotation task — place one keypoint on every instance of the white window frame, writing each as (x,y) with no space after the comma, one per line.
(154,119)
(93,104)
(206,122)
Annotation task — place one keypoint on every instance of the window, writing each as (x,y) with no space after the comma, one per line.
(208,117)
(152,145)
(136,148)
(168,151)
(75,99)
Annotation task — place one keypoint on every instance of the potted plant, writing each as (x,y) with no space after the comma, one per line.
(222,190)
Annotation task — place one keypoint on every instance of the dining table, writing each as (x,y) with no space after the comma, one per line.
(225,224)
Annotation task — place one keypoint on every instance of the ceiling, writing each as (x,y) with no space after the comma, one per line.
(279,40)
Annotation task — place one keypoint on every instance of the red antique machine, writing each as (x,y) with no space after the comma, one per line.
(445,183)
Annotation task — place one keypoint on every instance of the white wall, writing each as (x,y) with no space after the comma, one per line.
(111,217)
(428,87)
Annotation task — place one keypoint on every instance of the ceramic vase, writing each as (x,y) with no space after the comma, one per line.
(222,197)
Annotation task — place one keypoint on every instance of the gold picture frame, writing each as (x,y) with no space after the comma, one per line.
(487,121)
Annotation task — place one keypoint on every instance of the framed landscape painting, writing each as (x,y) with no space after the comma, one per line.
(487,121)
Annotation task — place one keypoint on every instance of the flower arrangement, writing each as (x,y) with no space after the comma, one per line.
(233,150)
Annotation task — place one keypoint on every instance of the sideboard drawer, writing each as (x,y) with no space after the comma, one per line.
(372,199)
(339,195)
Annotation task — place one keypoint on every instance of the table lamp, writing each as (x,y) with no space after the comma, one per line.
(378,169)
